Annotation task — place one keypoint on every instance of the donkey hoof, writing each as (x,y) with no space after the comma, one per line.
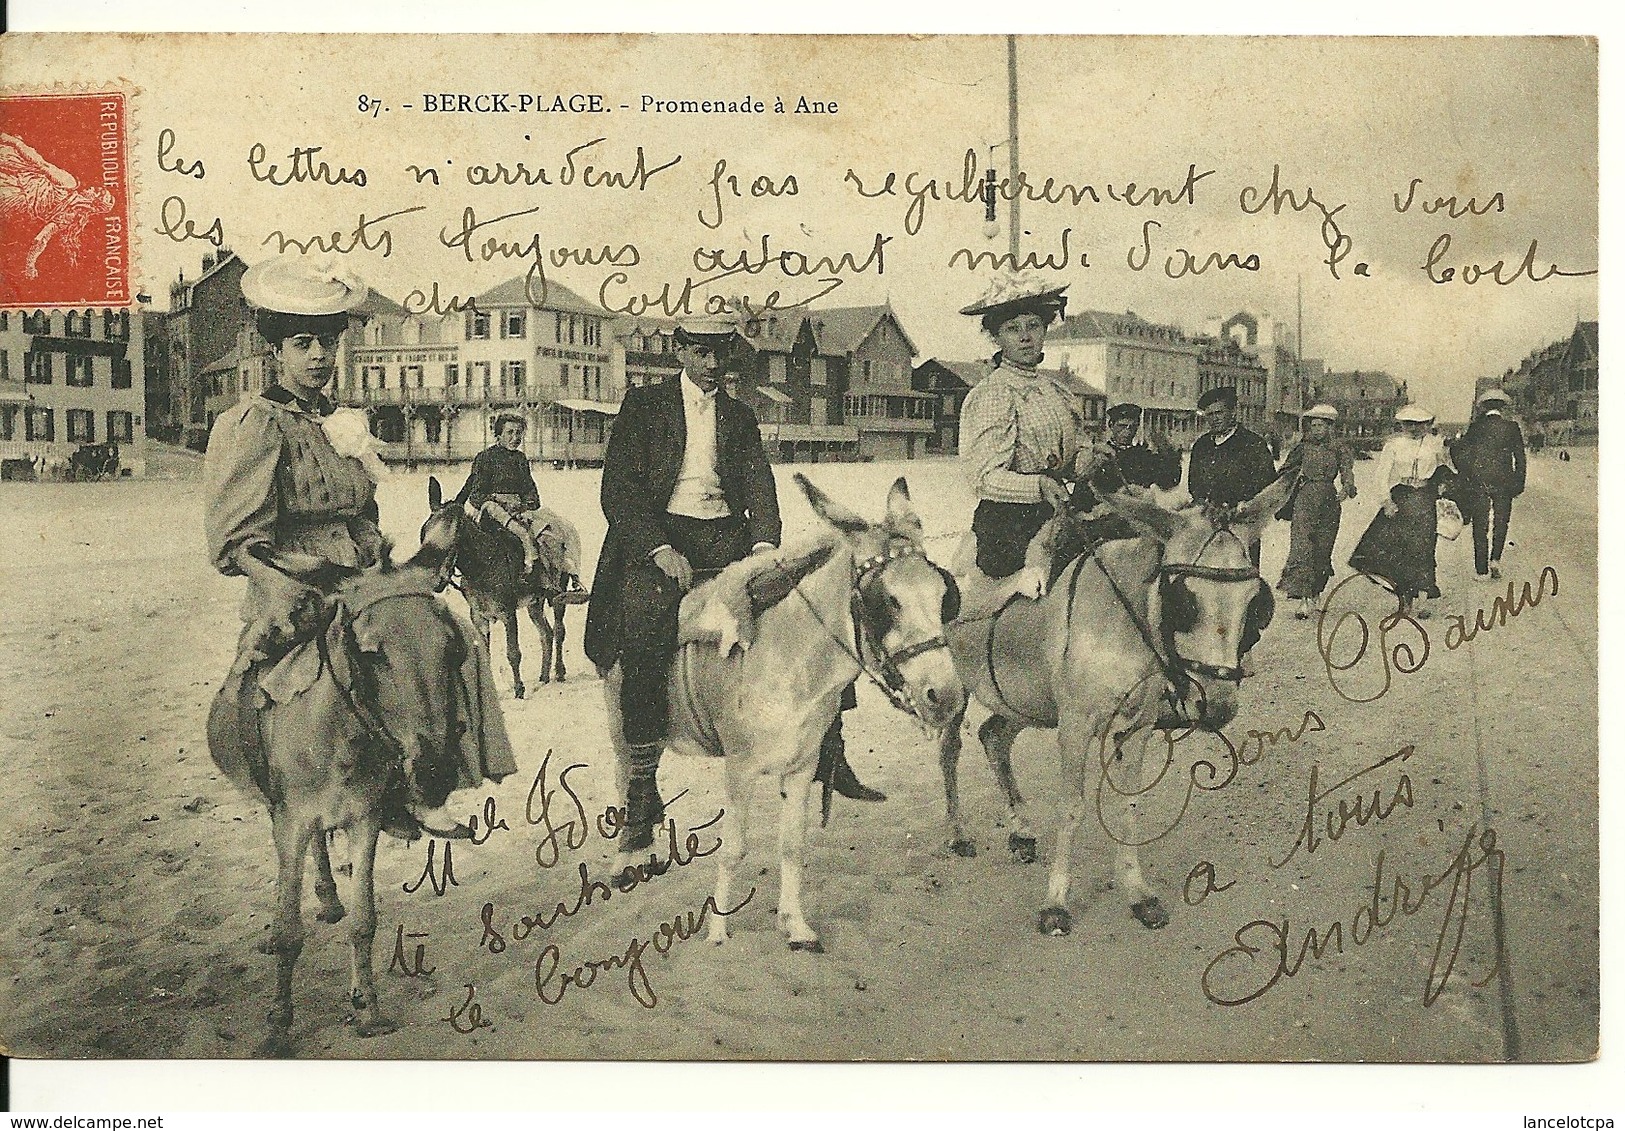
(960,846)
(518,691)
(1150,912)
(544,679)
(1055,922)
(276,1045)
(810,946)
(330,912)
(1023,848)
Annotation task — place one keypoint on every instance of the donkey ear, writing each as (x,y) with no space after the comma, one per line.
(900,516)
(439,539)
(1255,514)
(436,495)
(1145,515)
(829,510)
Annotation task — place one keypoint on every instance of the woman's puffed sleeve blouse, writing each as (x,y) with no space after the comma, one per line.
(269,470)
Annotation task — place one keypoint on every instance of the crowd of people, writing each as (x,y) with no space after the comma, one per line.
(687,490)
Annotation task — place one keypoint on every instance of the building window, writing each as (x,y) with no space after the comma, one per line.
(597,382)
(5,363)
(37,368)
(40,424)
(479,326)
(81,426)
(564,376)
(5,320)
(115,324)
(513,324)
(120,426)
(570,330)
(451,375)
(479,373)
(513,373)
(123,372)
(558,328)
(412,374)
(866,369)
(38,322)
(431,429)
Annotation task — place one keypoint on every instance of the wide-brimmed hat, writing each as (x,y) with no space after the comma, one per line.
(1413,414)
(1019,292)
(713,332)
(1494,396)
(293,286)
(1320,412)
(1224,395)
(1124,412)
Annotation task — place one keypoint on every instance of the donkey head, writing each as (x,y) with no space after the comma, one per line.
(903,600)
(1210,602)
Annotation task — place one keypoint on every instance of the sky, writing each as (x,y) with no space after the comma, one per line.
(1510,123)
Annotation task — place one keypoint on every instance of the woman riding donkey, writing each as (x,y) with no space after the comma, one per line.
(291,480)
(1020,432)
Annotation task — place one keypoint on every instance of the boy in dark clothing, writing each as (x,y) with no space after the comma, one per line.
(501,486)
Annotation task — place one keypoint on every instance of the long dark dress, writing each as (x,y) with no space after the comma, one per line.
(1317,512)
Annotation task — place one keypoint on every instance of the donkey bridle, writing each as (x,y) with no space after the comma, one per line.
(1170,574)
(372,725)
(886,663)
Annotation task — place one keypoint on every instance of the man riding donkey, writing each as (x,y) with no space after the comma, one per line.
(290,484)
(501,491)
(686,490)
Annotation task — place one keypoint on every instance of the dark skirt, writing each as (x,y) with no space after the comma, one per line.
(1399,551)
(1317,512)
(1003,531)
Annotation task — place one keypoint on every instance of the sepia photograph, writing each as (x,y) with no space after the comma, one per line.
(651,547)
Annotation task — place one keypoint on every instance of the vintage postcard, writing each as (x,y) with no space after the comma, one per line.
(1185,450)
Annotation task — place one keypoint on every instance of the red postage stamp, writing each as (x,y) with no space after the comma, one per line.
(64,200)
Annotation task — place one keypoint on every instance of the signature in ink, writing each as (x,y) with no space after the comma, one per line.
(1267,950)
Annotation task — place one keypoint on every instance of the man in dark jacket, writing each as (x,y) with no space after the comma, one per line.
(1490,459)
(1229,463)
(1118,462)
(686,490)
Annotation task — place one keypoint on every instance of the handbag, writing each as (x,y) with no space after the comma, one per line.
(1449,519)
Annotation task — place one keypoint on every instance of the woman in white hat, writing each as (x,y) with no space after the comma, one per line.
(1319,461)
(285,471)
(1399,545)
(1020,429)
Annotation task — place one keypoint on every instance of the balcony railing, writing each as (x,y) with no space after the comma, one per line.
(438,395)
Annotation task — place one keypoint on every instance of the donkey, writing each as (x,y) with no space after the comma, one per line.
(1141,633)
(865,600)
(375,688)
(496,586)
